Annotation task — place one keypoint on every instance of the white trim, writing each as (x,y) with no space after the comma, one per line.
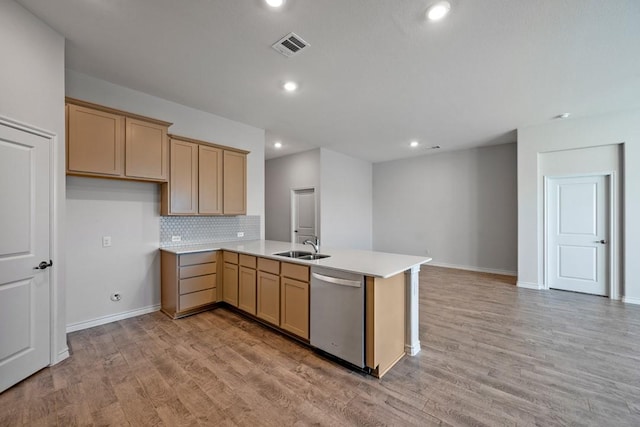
(72,327)
(630,300)
(412,350)
(54,356)
(472,268)
(61,355)
(528,285)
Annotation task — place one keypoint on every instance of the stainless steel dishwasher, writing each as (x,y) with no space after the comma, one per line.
(337,314)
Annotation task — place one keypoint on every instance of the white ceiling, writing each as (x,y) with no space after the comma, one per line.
(376,76)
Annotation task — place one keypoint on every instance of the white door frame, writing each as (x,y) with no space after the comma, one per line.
(292,222)
(54,356)
(614,285)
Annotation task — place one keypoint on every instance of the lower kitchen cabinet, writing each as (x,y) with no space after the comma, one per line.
(294,296)
(384,322)
(188,282)
(268,302)
(247,282)
(230,278)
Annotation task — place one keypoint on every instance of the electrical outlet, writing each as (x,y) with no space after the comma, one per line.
(106,241)
(240,233)
(116,297)
(176,238)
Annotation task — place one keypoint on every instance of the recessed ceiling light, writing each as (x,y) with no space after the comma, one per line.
(278,144)
(438,10)
(414,143)
(290,86)
(275,3)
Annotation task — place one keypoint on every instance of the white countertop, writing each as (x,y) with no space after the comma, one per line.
(369,263)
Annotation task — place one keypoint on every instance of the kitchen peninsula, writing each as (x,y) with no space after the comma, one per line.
(277,290)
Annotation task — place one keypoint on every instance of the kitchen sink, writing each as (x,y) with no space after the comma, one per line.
(311,257)
(307,256)
(294,254)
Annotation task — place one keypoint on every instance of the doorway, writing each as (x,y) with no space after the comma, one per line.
(579,234)
(303,214)
(25,294)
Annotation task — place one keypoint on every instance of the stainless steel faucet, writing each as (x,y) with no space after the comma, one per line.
(315,243)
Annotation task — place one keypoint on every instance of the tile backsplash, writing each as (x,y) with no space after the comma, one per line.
(207,229)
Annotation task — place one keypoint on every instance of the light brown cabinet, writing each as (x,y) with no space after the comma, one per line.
(247,284)
(230,278)
(384,322)
(268,291)
(294,299)
(235,183)
(210,166)
(294,317)
(188,282)
(205,179)
(104,142)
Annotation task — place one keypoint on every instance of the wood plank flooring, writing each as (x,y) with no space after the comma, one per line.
(492,355)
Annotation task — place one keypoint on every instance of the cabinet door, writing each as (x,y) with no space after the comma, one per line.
(235,183)
(295,307)
(209,180)
(146,150)
(230,284)
(94,142)
(269,297)
(184,178)
(247,290)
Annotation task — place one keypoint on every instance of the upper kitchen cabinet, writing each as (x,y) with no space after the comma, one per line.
(205,179)
(235,183)
(108,143)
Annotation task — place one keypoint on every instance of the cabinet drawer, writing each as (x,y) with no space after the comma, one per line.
(248,261)
(295,271)
(197,283)
(197,270)
(196,299)
(269,265)
(230,257)
(197,258)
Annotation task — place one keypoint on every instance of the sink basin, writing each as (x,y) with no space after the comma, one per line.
(311,257)
(294,254)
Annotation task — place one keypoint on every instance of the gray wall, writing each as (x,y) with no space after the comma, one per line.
(458,207)
(32,92)
(610,129)
(345,201)
(301,170)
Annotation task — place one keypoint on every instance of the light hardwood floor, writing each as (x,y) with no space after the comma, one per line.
(492,354)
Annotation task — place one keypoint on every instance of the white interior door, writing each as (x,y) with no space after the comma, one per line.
(24,243)
(304,215)
(578,234)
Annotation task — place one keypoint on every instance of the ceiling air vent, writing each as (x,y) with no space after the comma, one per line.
(291,44)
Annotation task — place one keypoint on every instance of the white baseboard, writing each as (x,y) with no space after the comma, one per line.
(63,354)
(72,327)
(470,268)
(412,350)
(528,285)
(629,300)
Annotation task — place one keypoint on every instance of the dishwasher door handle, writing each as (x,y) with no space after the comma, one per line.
(338,281)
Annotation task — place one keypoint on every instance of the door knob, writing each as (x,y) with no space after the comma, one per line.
(602,242)
(43,265)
